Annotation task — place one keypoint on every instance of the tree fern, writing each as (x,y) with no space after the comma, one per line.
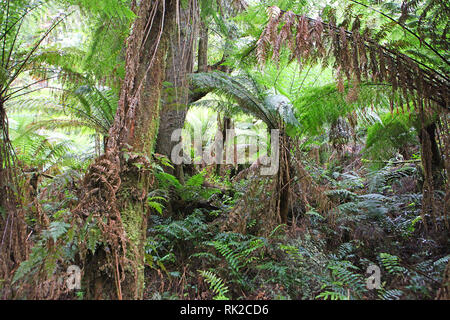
(319,106)
(85,109)
(386,138)
(43,151)
(250,97)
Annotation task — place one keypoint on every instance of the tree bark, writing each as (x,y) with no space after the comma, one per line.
(14,247)
(116,185)
(203,49)
(175,96)
(436,159)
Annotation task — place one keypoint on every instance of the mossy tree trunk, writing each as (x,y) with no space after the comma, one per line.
(120,178)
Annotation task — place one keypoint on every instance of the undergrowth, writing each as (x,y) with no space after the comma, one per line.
(376,219)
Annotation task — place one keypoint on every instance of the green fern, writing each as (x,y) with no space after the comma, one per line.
(345,282)
(393,294)
(152,203)
(216,285)
(387,137)
(232,257)
(320,106)
(45,151)
(442,262)
(249,95)
(239,256)
(332,296)
(392,264)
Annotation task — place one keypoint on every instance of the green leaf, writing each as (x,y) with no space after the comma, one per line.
(56,230)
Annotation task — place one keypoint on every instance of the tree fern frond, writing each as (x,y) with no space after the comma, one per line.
(223,84)
(249,96)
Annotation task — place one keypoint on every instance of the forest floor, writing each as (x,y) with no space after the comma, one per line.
(372,244)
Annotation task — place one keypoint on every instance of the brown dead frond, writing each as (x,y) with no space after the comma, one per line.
(355,54)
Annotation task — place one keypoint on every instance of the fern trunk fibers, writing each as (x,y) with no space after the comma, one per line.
(284,179)
(436,160)
(432,167)
(225,125)
(13,228)
(118,182)
(175,95)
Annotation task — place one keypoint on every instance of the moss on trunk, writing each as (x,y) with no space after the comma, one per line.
(116,270)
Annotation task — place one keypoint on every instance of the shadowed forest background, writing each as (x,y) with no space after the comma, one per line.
(92,90)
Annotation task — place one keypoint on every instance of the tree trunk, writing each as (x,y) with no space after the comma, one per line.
(224,125)
(203,49)
(116,186)
(175,96)
(436,160)
(14,247)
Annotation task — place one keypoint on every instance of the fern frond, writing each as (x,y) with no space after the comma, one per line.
(216,284)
